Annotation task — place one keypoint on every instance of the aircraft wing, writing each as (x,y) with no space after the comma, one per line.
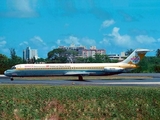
(77,73)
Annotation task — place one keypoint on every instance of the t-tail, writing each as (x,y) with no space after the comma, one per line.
(135,56)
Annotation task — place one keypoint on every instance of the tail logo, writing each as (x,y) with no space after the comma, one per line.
(135,59)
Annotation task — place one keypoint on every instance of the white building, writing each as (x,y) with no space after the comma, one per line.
(34,53)
(83,52)
(79,49)
(118,57)
(92,51)
(29,54)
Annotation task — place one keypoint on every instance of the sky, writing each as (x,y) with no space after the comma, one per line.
(113,25)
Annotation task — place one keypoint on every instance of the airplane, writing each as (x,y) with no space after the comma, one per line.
(77,69)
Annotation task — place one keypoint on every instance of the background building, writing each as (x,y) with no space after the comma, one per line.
(83,52)
(118,57)
(78,49)
(30,54)
(92,51)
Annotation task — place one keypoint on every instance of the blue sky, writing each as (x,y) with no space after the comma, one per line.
(113,25)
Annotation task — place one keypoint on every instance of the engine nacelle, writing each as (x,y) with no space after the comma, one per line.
(113,69)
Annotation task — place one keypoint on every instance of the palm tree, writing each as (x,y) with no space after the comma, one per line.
(158,53)
(129,51)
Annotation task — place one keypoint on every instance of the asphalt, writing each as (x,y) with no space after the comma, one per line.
(141,79)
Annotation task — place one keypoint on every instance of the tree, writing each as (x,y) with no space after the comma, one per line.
(7,63)
(39,60)
(12,53)
(98,58)
(71,55)
(89,60)
(101,58)
(3,58)
(80,60)
(158,53)
(57,56)
(3,63)
(128,52)
(142,66)
(60,55)
(14,58)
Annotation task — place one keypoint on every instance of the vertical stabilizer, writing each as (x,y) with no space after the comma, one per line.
(135,56)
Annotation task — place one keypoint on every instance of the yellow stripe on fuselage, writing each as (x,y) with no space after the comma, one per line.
(92,67)
(20,68)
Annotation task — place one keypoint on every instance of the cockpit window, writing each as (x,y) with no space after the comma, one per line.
(13,67)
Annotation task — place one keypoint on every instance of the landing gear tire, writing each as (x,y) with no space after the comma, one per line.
(80,78)
(11,78)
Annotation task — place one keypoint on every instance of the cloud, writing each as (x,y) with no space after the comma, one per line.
(3,44)
(107,23)
(21,5)
(119,40)
(58,42)
(72,40)
(76,41)
(37,41)
(20,8)
(105,42)
(24,43)
(2,41)
(88,42)
(53,47)
(145,39)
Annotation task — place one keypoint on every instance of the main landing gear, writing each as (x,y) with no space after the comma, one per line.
(80,78)
(11,79)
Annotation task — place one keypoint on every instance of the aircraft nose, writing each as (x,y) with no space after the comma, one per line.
(6,73)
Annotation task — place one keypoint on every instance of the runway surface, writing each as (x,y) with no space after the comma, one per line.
(144,79)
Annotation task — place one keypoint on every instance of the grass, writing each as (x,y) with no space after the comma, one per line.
(78,102)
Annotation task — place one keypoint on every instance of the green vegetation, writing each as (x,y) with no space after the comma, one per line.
(78,102)
(148,65)
(6,63)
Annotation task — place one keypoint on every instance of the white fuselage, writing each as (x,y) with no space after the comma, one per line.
(22,70)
